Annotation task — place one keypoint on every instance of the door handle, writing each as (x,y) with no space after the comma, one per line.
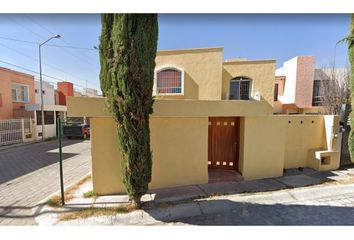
(235,145)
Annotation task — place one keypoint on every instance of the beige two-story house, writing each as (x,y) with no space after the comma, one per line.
(212,115)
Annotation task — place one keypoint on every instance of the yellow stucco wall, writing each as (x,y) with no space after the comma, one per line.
(263,147)
(95,107)
(329,158)
(271,143)
(202,71)
(301,137)
(106,157)
(179,142)
(177,160)
(261,72)
(332,160)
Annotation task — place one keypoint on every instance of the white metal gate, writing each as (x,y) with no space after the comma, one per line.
(16,131)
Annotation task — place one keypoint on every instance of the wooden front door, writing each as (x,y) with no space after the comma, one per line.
(223,142)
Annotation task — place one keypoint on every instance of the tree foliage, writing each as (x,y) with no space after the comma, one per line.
(128,46)
(333,89)
(350,41)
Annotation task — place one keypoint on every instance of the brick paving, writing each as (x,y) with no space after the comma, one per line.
(30,173)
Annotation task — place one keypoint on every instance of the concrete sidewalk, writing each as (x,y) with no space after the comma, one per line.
(30,173)
(293,178)
(170,204)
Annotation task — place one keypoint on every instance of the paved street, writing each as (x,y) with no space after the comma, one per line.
(334,210)
(30,173)
(331,204)
(310,206)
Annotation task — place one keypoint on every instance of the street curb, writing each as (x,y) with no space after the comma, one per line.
(16,145)
(197,207)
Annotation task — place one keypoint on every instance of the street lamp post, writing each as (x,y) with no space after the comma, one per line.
(40,81)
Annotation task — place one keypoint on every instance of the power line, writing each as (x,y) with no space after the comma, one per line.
(35,72)
(28,29)
(23,54)
(40,36)
(46,64)
(60,39)
(51,45)
(84,59)
(17,40)
(66,46)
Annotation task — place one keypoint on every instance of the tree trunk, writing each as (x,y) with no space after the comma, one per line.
(128,46)
(351,60)
(136,202)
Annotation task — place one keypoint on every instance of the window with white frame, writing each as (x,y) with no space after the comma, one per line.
(169,81)
(240,88)
(19,93)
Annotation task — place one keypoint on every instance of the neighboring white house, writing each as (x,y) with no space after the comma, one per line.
(90,92)
(78,94)
(51,110)
(48,93)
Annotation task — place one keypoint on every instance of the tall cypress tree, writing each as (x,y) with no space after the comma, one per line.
(350,40)
(128,46)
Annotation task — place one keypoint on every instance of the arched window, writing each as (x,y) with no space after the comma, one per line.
(169,81)
(240,88)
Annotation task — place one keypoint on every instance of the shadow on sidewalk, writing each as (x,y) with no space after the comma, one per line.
(18,161)
(22,212)
(291,179)
(226,212)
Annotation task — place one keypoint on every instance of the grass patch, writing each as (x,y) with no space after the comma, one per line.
(94,212)
(346,181)
(90,194)
(55,201)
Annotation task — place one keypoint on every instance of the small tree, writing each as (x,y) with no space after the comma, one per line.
(128,47)
(334,89)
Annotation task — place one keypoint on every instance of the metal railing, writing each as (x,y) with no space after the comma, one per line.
(16,131)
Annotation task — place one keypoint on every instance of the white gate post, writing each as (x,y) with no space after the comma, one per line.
(23,130)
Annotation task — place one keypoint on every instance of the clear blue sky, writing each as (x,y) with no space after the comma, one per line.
(279,37)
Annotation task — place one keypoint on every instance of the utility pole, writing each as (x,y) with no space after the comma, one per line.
(41,83)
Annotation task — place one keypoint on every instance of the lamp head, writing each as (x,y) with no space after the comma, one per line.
(57,36)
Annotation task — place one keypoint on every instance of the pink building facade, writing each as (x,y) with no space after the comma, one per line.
(16,90)
(294,84)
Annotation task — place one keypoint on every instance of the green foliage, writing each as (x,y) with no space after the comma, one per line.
(350,41)
(128,46)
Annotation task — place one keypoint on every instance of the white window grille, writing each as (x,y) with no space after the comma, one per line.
(19,93)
